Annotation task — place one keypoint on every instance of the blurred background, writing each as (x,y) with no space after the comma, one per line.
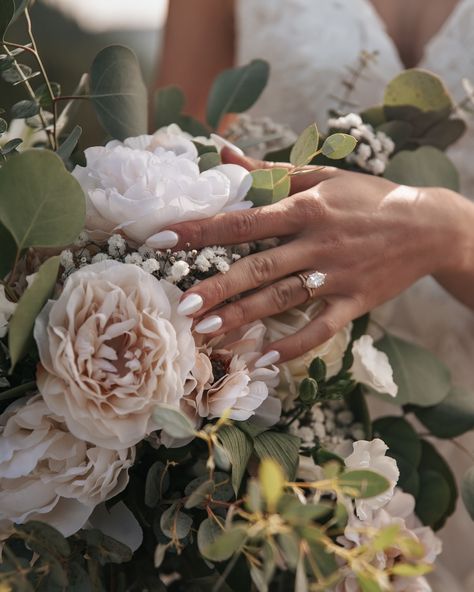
(69,34)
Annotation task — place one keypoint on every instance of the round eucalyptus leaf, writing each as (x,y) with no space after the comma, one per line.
(453,417)
(338,146)
(118,92)
(421,378)
(174,523)
(41,204)
(433,498)
(169,103)
(400,437)
(417,88)
(399,131)
(25,109)
(3,126)
(235,90)
(269,186)
(173,421)
(362,484)
(443,134)
(425,167)
(467,491)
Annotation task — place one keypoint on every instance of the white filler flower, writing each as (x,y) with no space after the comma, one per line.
(112,347)
(48,474)
(147,183)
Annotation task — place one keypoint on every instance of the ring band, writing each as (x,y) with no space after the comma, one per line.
(312,281)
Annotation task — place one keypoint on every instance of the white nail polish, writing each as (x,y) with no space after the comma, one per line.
(223,143)
(190,305)
(267,359)
(163,240)
(209,325)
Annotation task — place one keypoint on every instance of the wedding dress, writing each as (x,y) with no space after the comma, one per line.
(310,45)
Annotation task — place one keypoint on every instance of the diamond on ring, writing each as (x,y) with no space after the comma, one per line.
(317,279)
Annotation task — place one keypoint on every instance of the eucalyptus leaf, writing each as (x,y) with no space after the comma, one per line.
(118,92)
(417,88)
(443,134)
(284,448)
(174,523)
(338,146)
(41,204)
(400,437)
(421,378)
(362,484)
(272,481)
(169,103)
(399,131)
(367,584)
(11,146)
(226,544)
(269,186)
(305,147)
(433,499)
(200,493)
(425,167)
(3,126)
(105,549)
(25,109)
(467,491)
(209,160)
(235,90)
(208,532)
(20,333)
(173,421)
(239,448)
(69,144)
(43,539)
(156,484)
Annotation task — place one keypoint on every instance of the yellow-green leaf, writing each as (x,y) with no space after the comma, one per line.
(272,481)
(306,146)
(338,146)
(269,186)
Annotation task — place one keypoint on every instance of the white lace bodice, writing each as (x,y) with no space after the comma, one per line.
(311,45)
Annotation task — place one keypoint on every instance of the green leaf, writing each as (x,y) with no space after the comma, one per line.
(208,532)
(284,448)
(272,481)
(417,88)
(421,378)
(433,498)
(318,369)
(399,131)
(338,146)
(3,126)
(467,491)
(235,90)
(200,494)
(17,391)
(425,167)
(118,92)
(209,160)
(43,539)
(400,437)
(156,484)
(105,549)
(239,448)
(20,333)
(362,484)
(367,584)
(308,391)
(306,147)
(269,186)
(226,544)
(8,249)
(173,421)
(43,95)
(453,417)
(408,570)
(52,211)
(7,10)
(444,133)
(174,523)
(25,109)
(385,538)
(69,145)
(169,103)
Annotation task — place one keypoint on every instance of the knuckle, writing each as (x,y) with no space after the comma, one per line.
(281,295)
(311,206)
(218,290)
(242,225)
(262,268)
(236,315)
(328,327)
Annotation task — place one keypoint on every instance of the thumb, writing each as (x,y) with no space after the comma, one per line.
(303,181)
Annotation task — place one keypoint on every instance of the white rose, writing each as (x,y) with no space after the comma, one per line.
(147,183)
(47,474)
(293,372)
(112,347)
(372,367)
(371,456)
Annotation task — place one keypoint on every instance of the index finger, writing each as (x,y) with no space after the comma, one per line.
(233,228)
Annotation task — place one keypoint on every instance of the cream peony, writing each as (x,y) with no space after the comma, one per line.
(225,377)
(372,367)
(147,183)
(293,372)
(371,456)
(47,474)
(112,347)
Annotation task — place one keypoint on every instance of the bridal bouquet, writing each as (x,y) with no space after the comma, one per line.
(137,454)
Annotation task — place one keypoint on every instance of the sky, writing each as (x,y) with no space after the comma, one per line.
(106,15)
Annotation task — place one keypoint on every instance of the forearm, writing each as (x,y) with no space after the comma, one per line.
(455,269)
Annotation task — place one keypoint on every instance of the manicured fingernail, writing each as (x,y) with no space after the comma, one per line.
(190,305)
(223,143)
(267,359)
(209,325)
(163,240)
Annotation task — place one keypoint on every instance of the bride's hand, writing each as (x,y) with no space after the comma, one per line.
(371,237)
